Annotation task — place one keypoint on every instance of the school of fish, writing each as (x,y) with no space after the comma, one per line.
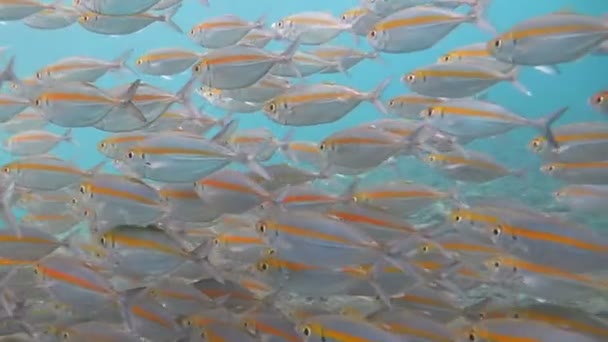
(181,234)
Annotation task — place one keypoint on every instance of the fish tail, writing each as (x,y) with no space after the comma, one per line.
(287,56)
(374,96)
(200,255)
(544,124)
(7,193)
(478,14)
(283,146)
(167,18)
(513,77)
(260,22)
(250,160)
(125,299)
(184,96)
(228,127)
(120,62)
(68,136)
(126,101)
(8,74)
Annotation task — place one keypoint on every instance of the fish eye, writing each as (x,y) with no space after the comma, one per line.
(391,103)
(516,315)
(306,331)
(103,241)
(497,43)
(431,158)
(457,218)
(535,143)
(216,241)
(344,17)
(280,24)
(139,61)
(37,102)
(411,78)
(85,18)
(272,107)
(373,34)
(270,251)
(263,266)
(261,227)
(322,147)
(599,99)
(446,58)
(131,155)
(496,231)
(82,189)
(551,168)
(496,264)
(65,335)
(7,170)
(472,337)
(197,68)
(425,248)
(39,75)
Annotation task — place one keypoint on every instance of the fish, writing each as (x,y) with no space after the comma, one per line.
(421,27)
(319,103)
(571,35)
(458,79)
(126,24)
(473,119)
(223,31)
(218,68)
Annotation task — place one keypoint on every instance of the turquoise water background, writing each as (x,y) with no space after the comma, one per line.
(36,48)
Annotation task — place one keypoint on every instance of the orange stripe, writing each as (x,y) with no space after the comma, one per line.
(176,150)
(586,165)
(219,60)
(76,97)
(151,316)
(553,30)
(73,280)
(154,57)
(399,194)
(558,239)
(312,97)
(221,24)
(133,242)
(99,190)
(421,20)
(456,74)
(44,167)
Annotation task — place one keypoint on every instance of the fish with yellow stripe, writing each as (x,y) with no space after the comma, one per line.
(469,166)
(166,61)
(421,27)
(238,66)
(459,79)
(319,103)
(311,28)
(577,142)
(474,119)
(550,39)
(222,31)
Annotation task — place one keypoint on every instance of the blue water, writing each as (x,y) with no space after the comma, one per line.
(36,48)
